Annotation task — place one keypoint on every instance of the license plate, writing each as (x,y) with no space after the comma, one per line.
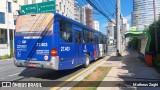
(31,65)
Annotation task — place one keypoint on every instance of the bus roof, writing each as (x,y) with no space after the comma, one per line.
(74,22)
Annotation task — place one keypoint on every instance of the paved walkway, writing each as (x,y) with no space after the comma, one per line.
(128,68)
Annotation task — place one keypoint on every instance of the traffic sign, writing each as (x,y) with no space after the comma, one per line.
(44,7)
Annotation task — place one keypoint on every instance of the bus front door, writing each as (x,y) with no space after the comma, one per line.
(78,48)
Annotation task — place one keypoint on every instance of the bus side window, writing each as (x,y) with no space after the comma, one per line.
(66,30)
(78,37)
(96,40)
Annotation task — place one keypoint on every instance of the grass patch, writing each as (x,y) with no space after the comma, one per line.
(4,57)
(97,75)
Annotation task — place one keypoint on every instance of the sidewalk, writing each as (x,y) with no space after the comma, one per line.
(6,59)
(128,68)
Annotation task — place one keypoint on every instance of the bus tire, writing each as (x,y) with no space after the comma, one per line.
(87,61)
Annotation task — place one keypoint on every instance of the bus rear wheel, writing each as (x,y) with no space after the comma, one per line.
(87,61)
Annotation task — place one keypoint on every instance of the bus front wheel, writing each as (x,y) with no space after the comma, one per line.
(87,61)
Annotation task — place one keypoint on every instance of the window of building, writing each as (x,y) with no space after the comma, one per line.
(14,22)
(44,0)
(2,18)
(9,7)
(66,30)
(64,8)
(33,1)
(3,36)
(15,1)
(60,5)
(25,1)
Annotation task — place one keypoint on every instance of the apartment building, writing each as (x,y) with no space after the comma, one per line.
(86,15)
(8,15)
(77,12)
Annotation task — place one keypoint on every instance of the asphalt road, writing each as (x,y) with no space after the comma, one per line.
(9,72)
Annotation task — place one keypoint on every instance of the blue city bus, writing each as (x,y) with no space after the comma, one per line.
(56,42)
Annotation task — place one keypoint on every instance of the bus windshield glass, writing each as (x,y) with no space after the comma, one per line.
(35,25)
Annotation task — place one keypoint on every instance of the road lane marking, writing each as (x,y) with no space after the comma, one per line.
(9,76)
(80,73)
(14,74)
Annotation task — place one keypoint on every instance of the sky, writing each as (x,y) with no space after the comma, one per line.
(126,9)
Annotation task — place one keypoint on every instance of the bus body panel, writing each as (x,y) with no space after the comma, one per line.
(79,56)
(34,39)
(33,49)
(66,56)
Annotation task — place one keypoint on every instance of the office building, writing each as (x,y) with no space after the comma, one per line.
(87,15)
(143,13)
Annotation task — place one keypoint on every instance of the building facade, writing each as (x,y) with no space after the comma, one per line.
(77,11)
(124,27)
(96,25)
(8,14)
(83,15)
(87,15)
(143,13)
(111,32)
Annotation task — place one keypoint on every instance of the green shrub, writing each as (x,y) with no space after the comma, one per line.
(157,60)
(5,56)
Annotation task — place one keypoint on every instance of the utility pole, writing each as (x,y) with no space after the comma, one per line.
(155,26)
(118,28)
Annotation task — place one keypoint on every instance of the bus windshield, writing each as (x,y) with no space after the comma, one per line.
(35,25)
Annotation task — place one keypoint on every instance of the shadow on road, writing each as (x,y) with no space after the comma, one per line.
(114,58)
(49,74)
